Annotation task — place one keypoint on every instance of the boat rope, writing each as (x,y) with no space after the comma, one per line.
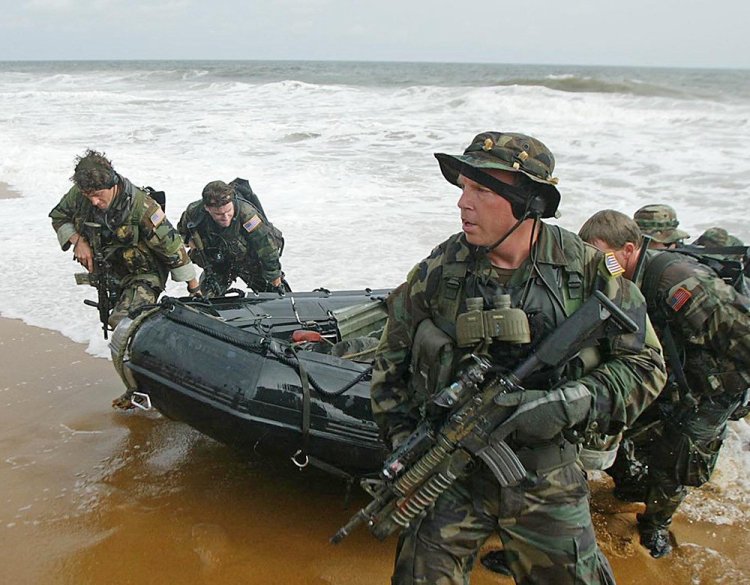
(297,365)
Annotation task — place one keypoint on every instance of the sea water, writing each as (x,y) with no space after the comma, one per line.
(341,155)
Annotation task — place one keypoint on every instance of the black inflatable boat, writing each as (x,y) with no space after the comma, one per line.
(288,375)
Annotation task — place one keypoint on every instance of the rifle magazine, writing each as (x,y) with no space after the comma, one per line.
(503,463)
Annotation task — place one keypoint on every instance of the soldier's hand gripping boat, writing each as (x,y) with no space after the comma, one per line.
(284,374)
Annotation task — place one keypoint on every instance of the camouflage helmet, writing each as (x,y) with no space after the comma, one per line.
(660,222)
(507,151)
(93,172)
(717,237)
(217,194)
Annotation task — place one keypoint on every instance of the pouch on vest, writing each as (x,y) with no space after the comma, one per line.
(598,451)
(695,461)
(431,361)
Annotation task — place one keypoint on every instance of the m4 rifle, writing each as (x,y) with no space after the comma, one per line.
(210,285)
(428,462)
(101,278)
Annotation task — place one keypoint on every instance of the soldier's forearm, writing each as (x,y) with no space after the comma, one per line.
(183,273)
(65,234)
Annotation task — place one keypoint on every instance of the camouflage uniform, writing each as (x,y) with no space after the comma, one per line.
(140,244)
(660,222)
(677,440)
(545,522)
(245,249)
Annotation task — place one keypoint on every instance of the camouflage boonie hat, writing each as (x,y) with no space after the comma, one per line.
(217,194)
(508,151)
(94,172)
(717,237)
(660,222)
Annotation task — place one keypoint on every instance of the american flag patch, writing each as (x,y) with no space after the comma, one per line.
(613,266)
(252,223)
(679,298)
(157,217)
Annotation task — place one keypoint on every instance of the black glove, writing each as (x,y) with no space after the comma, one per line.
(543,414)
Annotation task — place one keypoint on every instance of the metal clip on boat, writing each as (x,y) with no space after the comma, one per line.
(140,400)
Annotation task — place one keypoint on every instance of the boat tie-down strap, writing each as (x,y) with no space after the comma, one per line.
(305,428)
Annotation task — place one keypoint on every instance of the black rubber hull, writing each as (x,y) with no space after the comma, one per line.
(221,371)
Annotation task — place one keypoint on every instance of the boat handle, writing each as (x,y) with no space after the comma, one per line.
(304,463)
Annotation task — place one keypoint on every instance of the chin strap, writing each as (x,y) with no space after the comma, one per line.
(488,249)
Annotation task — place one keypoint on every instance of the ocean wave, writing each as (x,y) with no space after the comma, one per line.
(586,84)
(300,136)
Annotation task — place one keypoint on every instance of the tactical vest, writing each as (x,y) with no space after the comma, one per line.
(124,246)
(554,293)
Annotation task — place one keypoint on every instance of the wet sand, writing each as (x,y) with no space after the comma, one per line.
(94,496)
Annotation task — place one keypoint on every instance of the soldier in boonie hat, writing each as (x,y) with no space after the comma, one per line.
(509,151)
(660,222)
(717,237)
(506,253)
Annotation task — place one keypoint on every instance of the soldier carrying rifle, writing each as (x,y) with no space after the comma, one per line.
(121,236)
(505,250)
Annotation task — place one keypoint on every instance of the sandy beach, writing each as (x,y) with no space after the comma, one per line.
(91,495)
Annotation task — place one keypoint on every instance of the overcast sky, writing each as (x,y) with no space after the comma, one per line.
(683,33)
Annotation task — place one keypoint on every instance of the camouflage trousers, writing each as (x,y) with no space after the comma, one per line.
(655,464)
(132,296)
(544,524)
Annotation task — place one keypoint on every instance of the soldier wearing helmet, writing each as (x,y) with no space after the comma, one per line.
(504,248)
(660,222)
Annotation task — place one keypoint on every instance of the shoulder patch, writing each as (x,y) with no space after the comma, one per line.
(157,217)
(252,223)
(612,265)
(679,298)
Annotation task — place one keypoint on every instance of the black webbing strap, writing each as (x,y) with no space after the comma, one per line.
(305,428)
(650,288)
